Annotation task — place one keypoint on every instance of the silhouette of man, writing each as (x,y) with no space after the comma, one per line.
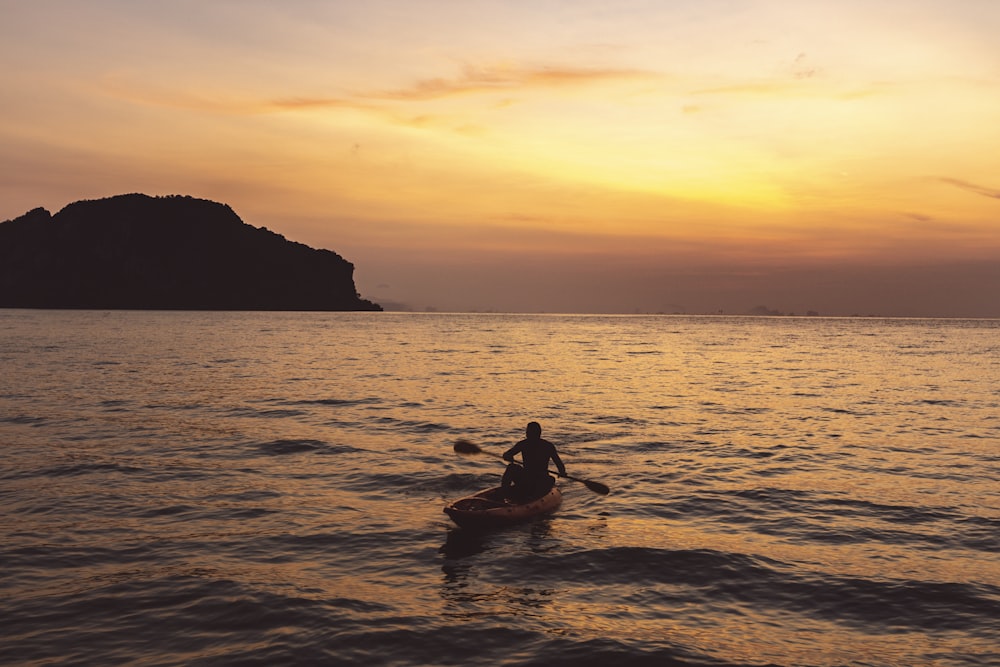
(532,480)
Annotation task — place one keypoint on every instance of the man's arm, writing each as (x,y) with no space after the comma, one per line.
(516,449)
(558,462)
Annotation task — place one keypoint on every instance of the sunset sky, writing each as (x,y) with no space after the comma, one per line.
(841,156)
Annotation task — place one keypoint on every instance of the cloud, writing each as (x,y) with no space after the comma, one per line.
(471,80)
(803,69)
(992,193)
(304,103)
(474,80)
(508,78)
(393,105)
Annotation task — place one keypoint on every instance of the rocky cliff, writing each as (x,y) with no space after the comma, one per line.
(140,252)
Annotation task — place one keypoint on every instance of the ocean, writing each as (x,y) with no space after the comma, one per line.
(232,488)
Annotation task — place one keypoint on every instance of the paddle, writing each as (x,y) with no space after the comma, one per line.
(466,447)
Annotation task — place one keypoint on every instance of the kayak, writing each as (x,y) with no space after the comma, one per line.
(488,508)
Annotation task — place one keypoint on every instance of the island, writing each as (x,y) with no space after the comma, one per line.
(176,252)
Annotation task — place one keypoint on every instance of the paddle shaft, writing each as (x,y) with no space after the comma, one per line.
(551,472)
(466,447)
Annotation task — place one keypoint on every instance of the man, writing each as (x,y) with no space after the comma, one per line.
(532,480)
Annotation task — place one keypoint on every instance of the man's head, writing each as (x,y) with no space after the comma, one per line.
(534,430)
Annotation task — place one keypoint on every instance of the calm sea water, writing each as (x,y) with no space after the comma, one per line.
(266,489)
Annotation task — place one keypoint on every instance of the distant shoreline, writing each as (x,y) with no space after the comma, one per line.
(417,313)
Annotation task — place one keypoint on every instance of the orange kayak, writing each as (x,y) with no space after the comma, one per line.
(488,508)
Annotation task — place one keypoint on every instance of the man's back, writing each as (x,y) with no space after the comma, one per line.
(536,454)
(534,478)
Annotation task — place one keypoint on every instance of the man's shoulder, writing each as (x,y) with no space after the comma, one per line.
(536,443)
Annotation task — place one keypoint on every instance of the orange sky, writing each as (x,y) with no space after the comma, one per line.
(563,156)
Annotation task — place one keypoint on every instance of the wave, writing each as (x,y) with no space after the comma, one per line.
(471,641)
(285,447)
(336,402)
(263,414)
(26,420)
(79,469)
(197,618)
(805,516)
(693,576)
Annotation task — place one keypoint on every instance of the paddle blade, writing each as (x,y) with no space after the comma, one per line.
(466,447)
(597,487)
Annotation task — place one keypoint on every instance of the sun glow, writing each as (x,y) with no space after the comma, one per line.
(816,132)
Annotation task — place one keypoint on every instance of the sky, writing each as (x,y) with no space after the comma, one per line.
(699,156)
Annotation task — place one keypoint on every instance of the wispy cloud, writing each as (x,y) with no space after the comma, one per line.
(470,80)
(400,106)
(802,68)
(313,102)
(473,80)
(507,79)
(992,193)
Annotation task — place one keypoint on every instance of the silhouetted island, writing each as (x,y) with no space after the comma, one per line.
(171,253)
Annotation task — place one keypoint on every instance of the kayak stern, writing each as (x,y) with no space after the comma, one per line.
(488,508)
